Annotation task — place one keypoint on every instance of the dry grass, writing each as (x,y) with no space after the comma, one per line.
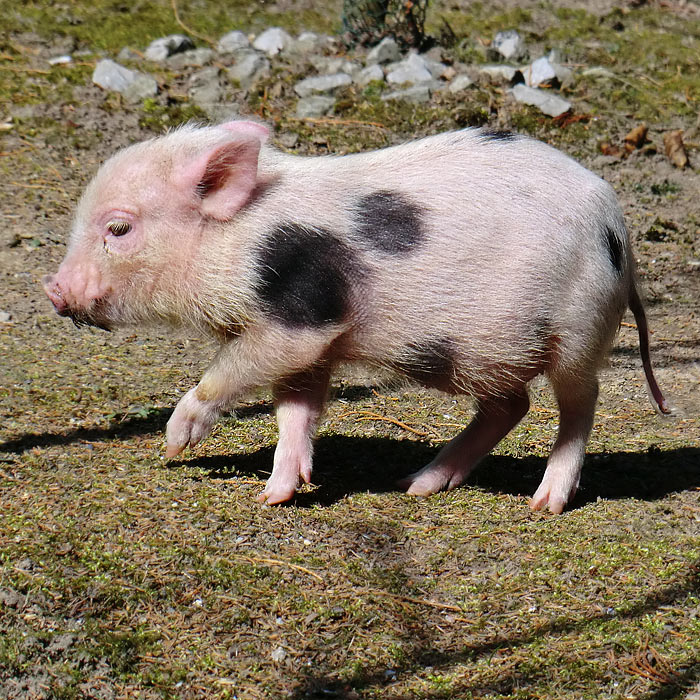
(125,576)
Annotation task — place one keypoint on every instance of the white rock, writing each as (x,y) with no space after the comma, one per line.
(314,106)
(195,57)
(249,66)
(272,41)
(133,85)
(386,51)
(565,75)
(321,84)
(5,316)
(60,60)
(417,94)
(436,68)
(232,42)
(546,102)
(205,90)
(308,42)
(499,73)
(367,75)
(509,45)
(538,72)
(461,82)
(413,70)
(160,49)
(279,655)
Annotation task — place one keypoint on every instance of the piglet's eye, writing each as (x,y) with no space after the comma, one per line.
(119,228)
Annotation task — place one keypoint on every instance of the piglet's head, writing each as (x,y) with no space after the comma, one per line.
(141,222)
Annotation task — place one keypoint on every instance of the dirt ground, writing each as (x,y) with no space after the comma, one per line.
(122,575)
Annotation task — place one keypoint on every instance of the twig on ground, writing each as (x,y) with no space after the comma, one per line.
(173,4)
(370,415)
(280,562)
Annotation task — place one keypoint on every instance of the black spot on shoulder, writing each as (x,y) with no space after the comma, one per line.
(305,276)
(389,222)
(496,135)
(428,363)
(614,246)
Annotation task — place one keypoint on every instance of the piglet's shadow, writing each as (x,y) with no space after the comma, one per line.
(346,465)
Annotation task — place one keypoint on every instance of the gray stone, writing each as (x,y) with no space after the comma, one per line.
(249,67)
(272,41)
(321,84)
(288,139)
(160,49)
(538,72)
(413,71)
(309,42)
(314,106)
(5,316)
(205,90)
(546,102)
(417,94)
(565,75)
(508,45)
(220,112)
(193,58)
(437,68)
(133,85)
(127,54)
(461,82)
(204,76)
(335,64)
(386,51)
(367,75)
(232,42)
(502,74)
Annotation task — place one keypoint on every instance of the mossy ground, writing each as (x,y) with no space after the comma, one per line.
(122,575)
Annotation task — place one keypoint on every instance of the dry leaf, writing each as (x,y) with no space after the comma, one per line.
(607,149)
(675,150)
(637,137)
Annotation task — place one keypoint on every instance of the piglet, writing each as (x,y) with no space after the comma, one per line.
(469,261)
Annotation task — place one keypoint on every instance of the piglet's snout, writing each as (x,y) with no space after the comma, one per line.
(55,294)
(76,289)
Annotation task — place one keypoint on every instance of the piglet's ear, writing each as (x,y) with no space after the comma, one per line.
(253,130)
(227,177)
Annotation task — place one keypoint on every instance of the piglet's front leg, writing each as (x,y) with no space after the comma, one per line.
(261,356)
(191,421)
(299,403)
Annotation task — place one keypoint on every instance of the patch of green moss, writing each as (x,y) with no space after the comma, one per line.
(112,24)
(123,648)
(160,115)
(478,22)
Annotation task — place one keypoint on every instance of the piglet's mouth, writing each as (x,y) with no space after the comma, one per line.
(85,318)
(94,315)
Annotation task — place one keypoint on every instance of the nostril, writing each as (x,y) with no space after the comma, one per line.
(54,293)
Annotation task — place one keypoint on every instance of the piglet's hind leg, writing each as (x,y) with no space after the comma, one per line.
(299,403)
(494,419)
(577,398)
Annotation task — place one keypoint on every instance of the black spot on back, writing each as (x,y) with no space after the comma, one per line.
(496,135)
(428,363)
(614,246)
(389,222)
(305,276)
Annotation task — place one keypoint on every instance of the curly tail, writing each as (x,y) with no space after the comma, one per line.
(640,317)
